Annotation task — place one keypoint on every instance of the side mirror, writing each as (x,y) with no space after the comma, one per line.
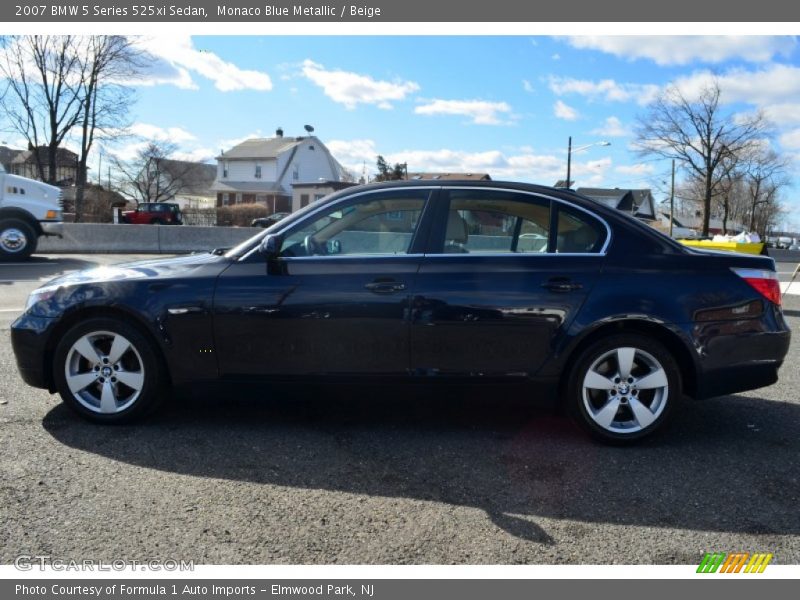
(270,246)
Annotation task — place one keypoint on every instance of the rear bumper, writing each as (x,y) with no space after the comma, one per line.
(29,341)
(736,356)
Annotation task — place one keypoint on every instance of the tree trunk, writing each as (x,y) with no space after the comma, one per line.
(725,216)
(707,204)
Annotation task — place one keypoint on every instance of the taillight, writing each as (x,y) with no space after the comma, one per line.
(764,282)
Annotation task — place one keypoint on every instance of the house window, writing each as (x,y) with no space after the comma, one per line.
(226,199)
(224,170)
(258,171)
(296,172)
(22,191)
(318,197)
(303,200)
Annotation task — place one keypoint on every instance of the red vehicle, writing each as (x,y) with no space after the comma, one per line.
(154,213)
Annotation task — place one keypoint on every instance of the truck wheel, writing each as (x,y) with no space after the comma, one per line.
(17,239)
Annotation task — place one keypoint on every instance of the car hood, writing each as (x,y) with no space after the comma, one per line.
(181,266)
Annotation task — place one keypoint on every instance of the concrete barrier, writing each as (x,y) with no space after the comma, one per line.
(85,238)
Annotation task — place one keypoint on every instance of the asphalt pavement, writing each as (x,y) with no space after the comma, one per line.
(369,474)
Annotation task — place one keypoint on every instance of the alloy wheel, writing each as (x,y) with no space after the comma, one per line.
(625,390)
(104,372)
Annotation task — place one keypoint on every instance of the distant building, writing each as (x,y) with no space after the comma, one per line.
(7,155)
(639,203)
(304,194)
(451,176)
(24,164)
(195,182)
(265,170)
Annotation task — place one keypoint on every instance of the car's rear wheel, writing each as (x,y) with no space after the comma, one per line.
(108,371)
(623,388)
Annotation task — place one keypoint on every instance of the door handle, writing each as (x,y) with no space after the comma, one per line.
(385,286)
(561,284)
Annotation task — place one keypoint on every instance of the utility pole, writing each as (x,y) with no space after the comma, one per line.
(672,199)
(569,162)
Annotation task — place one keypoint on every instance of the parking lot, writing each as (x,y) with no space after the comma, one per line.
(365,474)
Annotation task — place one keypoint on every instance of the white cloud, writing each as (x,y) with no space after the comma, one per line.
(791,139)
(481,112)
(775,84)
(202,155)
(522,164)
(176,135)
(556,56)
(605,89)
(682,50)
(612,127)
(352,89)
(564,111)
(527,86)
(786,113)
(177,59)
(639,169)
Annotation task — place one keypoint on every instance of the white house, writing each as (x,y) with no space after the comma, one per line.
(264,170)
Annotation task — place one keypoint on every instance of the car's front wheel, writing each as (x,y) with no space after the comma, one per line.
(623,388)
(108,371)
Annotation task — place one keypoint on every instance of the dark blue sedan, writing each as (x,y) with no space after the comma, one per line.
(463,280)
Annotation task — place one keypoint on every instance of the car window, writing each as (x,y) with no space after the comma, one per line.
(578,233)
(495,221)
(380,223)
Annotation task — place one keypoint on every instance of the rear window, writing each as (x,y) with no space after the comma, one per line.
(578,233)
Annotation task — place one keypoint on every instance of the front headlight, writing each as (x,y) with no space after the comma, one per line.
(40,295)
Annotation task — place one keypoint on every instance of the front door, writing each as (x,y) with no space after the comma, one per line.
(335,301)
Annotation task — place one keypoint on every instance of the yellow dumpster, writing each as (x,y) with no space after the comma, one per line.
(748,248)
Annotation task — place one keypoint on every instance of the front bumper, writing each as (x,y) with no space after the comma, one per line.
(55,228)
(29,337)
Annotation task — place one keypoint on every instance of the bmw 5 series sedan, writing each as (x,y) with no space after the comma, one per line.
(464,280)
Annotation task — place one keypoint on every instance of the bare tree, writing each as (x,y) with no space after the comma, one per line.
(108,62)
(43,92)
(696,132)
(765,175)
(152,176)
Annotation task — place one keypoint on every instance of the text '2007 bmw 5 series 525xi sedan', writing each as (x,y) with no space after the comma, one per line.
(463,280)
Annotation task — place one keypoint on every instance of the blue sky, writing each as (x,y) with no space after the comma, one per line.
(504,105)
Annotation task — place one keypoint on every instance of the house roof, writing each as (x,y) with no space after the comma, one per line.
(247,187)
(8,154)
(197,178)
(64,157)
(262,148)
(627,200)
(451,176)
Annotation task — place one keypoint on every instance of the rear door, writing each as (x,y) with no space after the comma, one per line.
(505,276)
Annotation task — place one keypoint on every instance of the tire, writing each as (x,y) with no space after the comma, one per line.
(619,410)
(156,222)
(17,239)
(95,387)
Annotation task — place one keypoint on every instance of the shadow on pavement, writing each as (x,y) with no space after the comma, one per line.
(727,464)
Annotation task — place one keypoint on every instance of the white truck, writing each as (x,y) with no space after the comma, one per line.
(28,210)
